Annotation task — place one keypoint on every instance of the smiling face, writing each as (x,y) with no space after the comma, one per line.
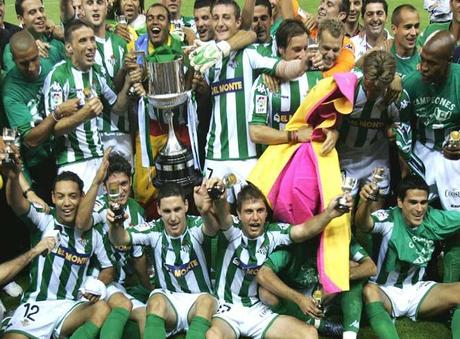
(66,197)
(226,24)
(374,19)
(203,22)
(330,48)
(130,9)
(414,206)
(355,11)
(157,25)
(253,214)
(95,12)
(329,9)
(33,17)
(406,32)
(82,48)
(173,212)
(261,23)
(296,48)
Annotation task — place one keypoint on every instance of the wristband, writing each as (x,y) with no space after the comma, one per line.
(24,194)
(294,137)
(289,136)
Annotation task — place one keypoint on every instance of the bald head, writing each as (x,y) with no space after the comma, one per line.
(441,44)
(21,42)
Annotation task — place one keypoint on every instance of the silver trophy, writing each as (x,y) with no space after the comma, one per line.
(166,91)
(348,183)
(9,138)
(378,174)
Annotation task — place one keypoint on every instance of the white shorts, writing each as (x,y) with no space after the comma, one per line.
(40,319)
(86,170)
(182,304)
(115,287)
(241,168)
(440,174)
(121,143)
(406,301)
(361,166)
(251,321)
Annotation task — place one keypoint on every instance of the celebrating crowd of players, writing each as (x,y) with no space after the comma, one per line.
(174,261)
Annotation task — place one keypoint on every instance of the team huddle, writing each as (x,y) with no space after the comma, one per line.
(116,254)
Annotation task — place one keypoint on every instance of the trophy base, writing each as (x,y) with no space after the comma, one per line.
(177,168)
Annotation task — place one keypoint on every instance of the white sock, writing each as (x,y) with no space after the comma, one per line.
(349,335)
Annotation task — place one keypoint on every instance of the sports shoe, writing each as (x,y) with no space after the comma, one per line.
(13,289)
(330,328)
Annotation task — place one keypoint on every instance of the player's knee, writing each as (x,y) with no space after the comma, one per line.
(267,297)
(304,331)
(206,302)
(100,312)
(371,293)
(120,300)
(157,304)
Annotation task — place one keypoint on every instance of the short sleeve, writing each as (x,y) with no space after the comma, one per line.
(382,222)
(141,234)
(260,103)
(357,252)
(260,63)
(278,260)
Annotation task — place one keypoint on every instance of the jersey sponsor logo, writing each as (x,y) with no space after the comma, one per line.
(227,86)
(261,104)
(455,193)
(72,256)
(381,215)
(367,123)
(249,269)
(181,270)
(142,227)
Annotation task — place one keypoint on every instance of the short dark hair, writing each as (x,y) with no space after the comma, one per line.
(72,27)
(69,176)
(170,189)
(267,4)
(288,29)
(202,3)
(118,164)
(158,4)
(366,2)
(396,15)
(345,7)
(233,3)
(411,182)
(249,192)
(18,7)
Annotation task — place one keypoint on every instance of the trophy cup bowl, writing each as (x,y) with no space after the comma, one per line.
(347,186)
(166,91)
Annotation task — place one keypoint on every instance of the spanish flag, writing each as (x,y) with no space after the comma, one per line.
(299,182)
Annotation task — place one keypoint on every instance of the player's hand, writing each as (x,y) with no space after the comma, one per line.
(102,170)
(208,54)
(316,59)
(309,307)
(92,298)
(93,107)
(12,168)
(130,62)
(310,23)
(331,209)
(304,134)
(123,31)
(43,48)
(45,246)
(110,216)
(332,135)
(67,108)
(139,89)
(272,82)
(135,74)
(202,199)
(33,198)
(367,192)
(199,84)
(394,91)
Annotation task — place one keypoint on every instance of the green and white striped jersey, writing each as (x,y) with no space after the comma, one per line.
(406,273)
(66,82)
(231,81)
(436,107)
(110,54)
(364,128)
(61,273)
(120,255)
(407,65)
(268,49)
(180,262)
(238,259)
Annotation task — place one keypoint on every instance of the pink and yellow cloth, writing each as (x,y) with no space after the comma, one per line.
(298,182)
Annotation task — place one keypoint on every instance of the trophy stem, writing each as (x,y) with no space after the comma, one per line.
(173,146)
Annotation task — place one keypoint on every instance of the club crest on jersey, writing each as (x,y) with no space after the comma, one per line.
(381,215)
(181,270)
(227,86)
(142,227)
(72,256)
(25,322)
